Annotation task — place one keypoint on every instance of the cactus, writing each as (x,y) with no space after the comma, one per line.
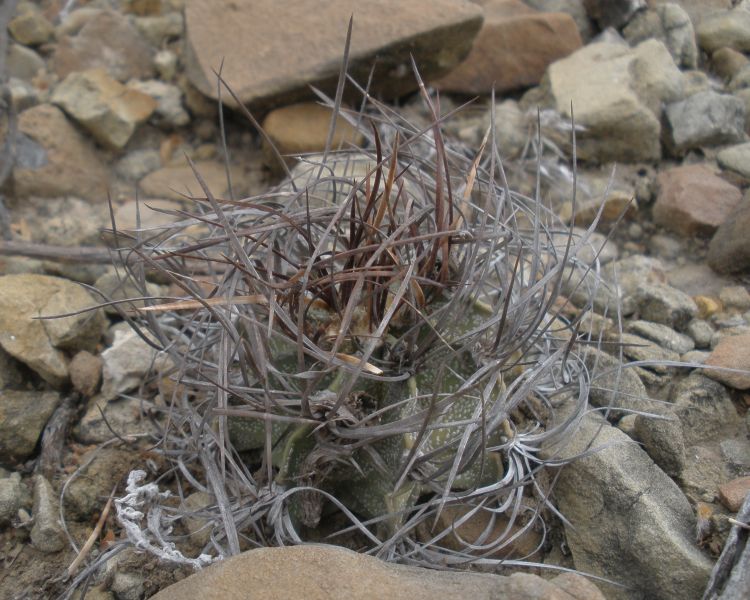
(380,341)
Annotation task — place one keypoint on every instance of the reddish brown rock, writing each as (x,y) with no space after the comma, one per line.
(53,159)
(320,572)
(692,200)
(513,49)
(264,62)
(85,373)
(729,251)
(106,40)
(733,493)
(732,352)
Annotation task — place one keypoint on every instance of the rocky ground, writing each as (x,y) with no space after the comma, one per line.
(107,98)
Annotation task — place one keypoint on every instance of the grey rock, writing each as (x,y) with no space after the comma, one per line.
(137,164)
(670,24)
(124,416)
(704,409)
(23,95)
(701,332)
(666,305)
(47,534)
(104,468)
(23,416)
(23,62)
(725,29)
(613,13)
(159,28)
(661,334)
(666,246)
(695,357)
(29,26)
(610,85)
(11,497)
(574,8)
(628,273)
(640,349)
(307,572)
(114,287)
(198,527)
(55,159)
(37,342)
(730,578)
(596,246)
(736,158)
(629,521)
(736,452)
(106,39)
(11,376)
(165,62)
(168,97)
(662,438)
(107,109)
(583,287)
(128,586)
(729,251)
(126,363)
(614,385)
(703,472)
(704,119)
(735,296)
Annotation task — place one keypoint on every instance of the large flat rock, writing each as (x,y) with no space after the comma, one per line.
(265,61)
(317,572)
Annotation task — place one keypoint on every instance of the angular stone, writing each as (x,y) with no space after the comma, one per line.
(39,342)
(303,128)
(30,26)
(641,349)
(727,62)
(108,40)
(725,29)
(263,67)
(614,92)
(704,119)
(733,352)
(614,385)
(633,524)
(86,373)
(666,305)
(665,336)
(53,159)
(124,417)
(729,250)
(157,29)
(23,62)
(613,13)
(512,50)
(672,25)
(168,98)
(47,534)
(662,439)
(176,182)
(23,416)
(320,572)
(704,409)
(127,362)
(574,8)
(736,158)
(692,200)
(108,109)
(11,497)
(105,468)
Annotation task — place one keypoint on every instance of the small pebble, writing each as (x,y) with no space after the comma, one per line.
(47,534)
